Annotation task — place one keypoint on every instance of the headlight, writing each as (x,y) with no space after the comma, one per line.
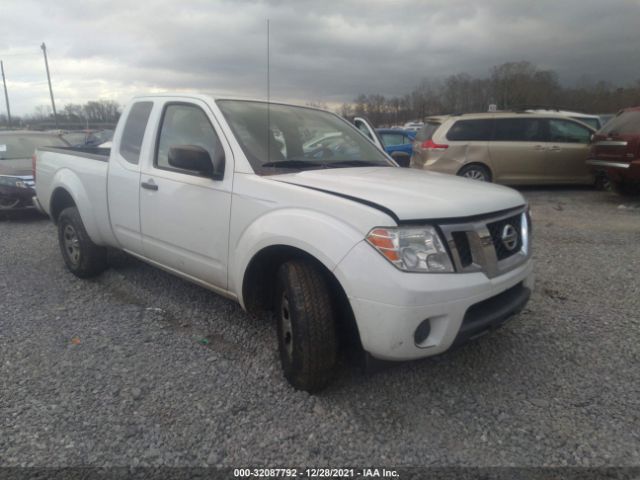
(412,249)
(21,184)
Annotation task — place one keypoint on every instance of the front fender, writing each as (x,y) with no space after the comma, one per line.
(326,238)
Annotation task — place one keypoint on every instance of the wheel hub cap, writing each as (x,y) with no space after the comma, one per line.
(71,244)
(475,175)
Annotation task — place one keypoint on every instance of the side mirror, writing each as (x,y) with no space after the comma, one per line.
(197,159)
(402,158)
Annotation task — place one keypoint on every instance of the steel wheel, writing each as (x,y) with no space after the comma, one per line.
(474,174)
(72,244)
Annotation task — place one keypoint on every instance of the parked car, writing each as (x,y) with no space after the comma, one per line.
(87,138)
(508,148)
(594,121)
(16,177)
(413,126)
(411,262)
(616,150)
(395,140)
(399,155)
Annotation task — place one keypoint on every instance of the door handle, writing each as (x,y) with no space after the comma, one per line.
(149,185)
(555,148)
(539,147)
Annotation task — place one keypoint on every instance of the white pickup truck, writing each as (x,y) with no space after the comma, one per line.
(294,210)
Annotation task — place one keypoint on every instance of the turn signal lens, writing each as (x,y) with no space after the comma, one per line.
(412,249)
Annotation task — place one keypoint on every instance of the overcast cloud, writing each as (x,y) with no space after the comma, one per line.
(320,50)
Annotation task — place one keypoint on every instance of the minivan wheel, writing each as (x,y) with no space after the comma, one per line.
(82,257)
(307,339)
(475,172)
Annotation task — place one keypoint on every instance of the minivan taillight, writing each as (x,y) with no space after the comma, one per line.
(33,166)
(431,145)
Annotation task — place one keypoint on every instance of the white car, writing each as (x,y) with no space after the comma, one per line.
(414,262)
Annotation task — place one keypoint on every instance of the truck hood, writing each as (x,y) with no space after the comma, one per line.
(409,194)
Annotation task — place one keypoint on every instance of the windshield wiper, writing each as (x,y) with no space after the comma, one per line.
(293,163)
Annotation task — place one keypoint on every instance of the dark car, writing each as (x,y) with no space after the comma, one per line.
(16,175)
(616,150)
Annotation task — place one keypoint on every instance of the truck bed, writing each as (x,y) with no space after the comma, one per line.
(94,153)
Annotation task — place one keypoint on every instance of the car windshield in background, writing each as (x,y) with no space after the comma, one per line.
(285,138)
(427,131)
(14,146)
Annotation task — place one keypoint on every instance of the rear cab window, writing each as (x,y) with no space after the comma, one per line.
(134,129)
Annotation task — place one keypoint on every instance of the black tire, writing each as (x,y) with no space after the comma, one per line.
(307,338)
(625,189)
(82,257)
(602,181)
(475,172)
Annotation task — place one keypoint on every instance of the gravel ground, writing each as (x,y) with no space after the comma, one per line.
(137,367)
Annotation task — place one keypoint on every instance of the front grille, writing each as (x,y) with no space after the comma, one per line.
(464,249)
(477,244)
(496,229)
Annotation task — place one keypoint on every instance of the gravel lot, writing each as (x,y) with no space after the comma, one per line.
(137,367)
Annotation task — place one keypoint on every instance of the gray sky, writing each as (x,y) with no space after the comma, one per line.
(321,50)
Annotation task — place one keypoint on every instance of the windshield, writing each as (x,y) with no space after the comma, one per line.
(297,138)
(14,146)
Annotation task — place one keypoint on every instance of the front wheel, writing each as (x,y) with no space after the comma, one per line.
(475,172)
(307,338)
(82,257)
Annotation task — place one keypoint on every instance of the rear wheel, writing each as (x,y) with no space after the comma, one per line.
(475,172)
(307,338)
(82,257)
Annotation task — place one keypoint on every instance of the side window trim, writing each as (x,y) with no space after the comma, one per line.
(165,107)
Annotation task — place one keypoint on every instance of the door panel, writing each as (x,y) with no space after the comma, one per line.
(185,215)
(185,225)
(123,183)
(568,151)
(518,150)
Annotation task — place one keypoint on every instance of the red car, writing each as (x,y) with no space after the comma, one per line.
(616,150)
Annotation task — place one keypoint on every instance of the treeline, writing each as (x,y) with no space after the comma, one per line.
(93,114)
(508,86)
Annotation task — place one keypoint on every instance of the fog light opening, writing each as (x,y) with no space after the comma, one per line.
(422,332)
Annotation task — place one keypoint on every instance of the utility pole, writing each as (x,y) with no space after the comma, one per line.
(46,64)
(6,95)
